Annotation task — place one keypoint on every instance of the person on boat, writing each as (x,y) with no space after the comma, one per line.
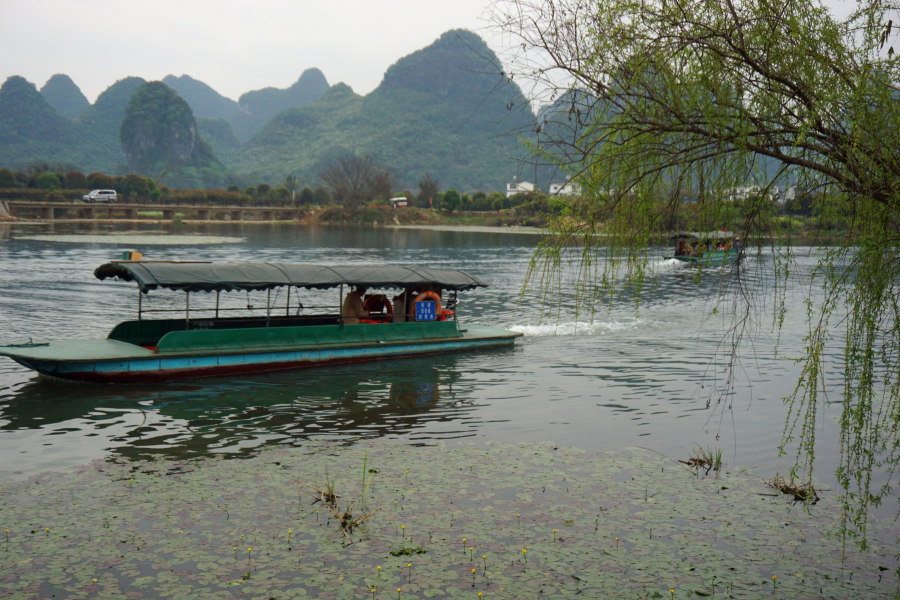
(738,245)
(352,310)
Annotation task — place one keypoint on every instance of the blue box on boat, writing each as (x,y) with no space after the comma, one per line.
(425,311)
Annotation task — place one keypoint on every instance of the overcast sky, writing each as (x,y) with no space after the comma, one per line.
(234,46)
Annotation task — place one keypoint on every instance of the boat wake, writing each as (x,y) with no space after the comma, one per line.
(580,328)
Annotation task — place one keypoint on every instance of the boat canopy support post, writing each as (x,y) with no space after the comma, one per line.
(187,310)
(217,303)
(140,304)
(268,305)
(287,308)
(341,305)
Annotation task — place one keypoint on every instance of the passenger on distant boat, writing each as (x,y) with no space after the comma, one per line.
(353,310)
(685,248)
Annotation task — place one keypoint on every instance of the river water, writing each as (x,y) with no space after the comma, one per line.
(627,379)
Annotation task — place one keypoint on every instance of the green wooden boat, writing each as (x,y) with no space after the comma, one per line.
(701,249)
(208,343)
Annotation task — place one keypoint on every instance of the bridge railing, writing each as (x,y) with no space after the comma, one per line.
(74,196)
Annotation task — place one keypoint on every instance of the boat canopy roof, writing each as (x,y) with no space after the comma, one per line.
(224,277)
(703,235)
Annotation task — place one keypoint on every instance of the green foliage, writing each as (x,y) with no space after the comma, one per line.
(306,196)
(234,188)
(451,200)
(63,95)
(221,138)
(48,181)
(692,102)
(262,188)
(250,191)
(7,178)
(136,185)
(497,204)
(441,110)
(280,193)
(321,197)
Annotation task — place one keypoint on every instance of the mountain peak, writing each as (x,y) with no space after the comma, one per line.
(257,108)
(26,115)
(159,132)
(458,64)
(311,78)
(66,97)
(204,100)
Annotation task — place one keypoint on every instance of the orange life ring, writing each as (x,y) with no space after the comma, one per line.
(376,302)
(429,296)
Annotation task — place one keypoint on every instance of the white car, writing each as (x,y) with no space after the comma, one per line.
(100,196)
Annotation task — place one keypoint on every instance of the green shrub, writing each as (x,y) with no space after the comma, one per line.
(250,191)
(7,178)
(451,200)
(48,181)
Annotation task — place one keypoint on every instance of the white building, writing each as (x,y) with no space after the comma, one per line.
(400,202)
(518,187)
(565,189)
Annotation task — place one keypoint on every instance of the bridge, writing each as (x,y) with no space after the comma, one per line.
(51,211)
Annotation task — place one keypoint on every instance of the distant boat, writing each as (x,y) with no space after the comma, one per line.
(167,349)
(699,248)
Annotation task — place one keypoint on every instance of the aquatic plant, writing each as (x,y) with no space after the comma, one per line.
(800,492)
(184,540)
(408,551)
(708,459)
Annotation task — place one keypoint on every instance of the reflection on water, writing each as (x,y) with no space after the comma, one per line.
(235,416)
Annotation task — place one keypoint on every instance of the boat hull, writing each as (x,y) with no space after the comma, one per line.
(170,368)
(710,259)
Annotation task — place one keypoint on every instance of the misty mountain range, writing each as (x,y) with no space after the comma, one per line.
(444,110)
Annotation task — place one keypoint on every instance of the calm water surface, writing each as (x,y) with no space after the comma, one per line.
(627,379)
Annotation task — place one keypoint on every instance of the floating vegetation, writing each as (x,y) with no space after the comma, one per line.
(326,496)
(408,551)
(708,459)
(96,533)
(142,239)
(801,493)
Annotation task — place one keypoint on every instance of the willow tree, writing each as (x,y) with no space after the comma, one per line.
(650,102)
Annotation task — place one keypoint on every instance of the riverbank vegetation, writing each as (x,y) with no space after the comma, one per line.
(655,100)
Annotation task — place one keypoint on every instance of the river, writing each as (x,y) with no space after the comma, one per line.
(628,379)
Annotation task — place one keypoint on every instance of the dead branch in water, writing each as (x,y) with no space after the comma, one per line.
(799,492)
